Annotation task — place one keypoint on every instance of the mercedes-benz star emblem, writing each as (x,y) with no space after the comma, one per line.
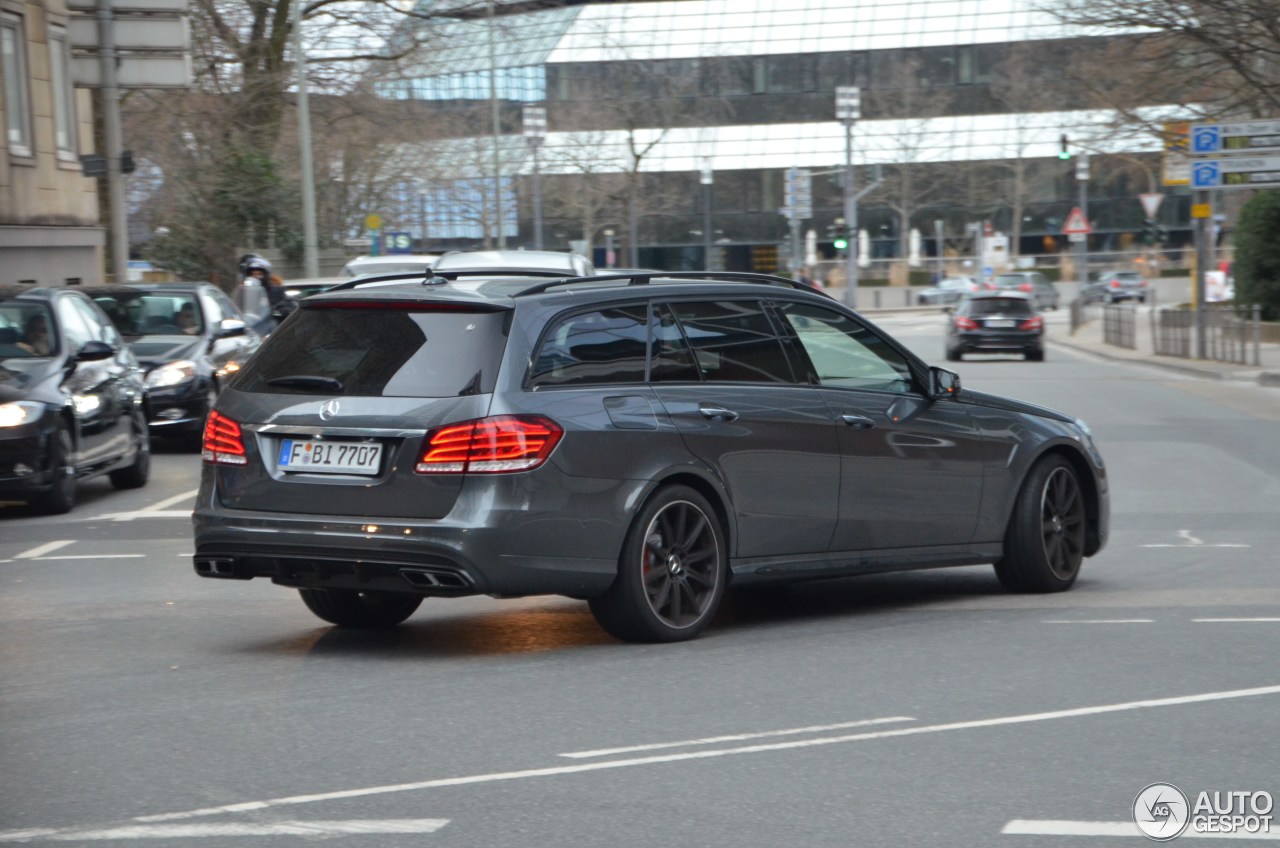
(329,409)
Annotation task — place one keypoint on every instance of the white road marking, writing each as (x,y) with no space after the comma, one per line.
(1099,621)
(144,513)
(168,502)
(1052,827)
(1193,542)
(47,547)
(189,831)
(495,777)
(1231,620)
(91,556)
(737,737)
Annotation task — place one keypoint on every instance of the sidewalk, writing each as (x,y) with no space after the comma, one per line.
(1088,338)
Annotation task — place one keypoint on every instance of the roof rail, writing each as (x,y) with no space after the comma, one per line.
(435,278)
(642,278)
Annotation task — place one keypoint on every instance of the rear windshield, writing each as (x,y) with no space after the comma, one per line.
(999,306)
(379,353)
(1011,281)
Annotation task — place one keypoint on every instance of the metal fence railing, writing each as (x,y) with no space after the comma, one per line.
(1119,325)
(1231,333)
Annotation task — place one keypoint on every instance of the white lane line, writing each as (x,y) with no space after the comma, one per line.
(168,502)
(1231,620)
(144,513)
(47,547)
(737,737)
(1053,827)
(1099,621)
(494,777)
(189,831)
(91,556)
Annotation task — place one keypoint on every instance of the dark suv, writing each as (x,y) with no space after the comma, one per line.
(639,441)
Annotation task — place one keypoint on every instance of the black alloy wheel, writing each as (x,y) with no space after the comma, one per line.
(671,573)
(1044,545)
(60,497)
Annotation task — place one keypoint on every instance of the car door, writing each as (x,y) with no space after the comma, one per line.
(92,387)
(124,380)
(722,375)
(911,466)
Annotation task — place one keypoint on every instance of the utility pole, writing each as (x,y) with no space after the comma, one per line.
(114,144)
(708,236)
(535,132)
(849,110)
(310,242)
(497,131)
(1082,246)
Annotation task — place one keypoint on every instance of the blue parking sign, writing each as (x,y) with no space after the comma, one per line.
(1206,139)
(1206,174)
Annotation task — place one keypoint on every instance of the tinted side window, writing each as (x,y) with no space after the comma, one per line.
(733,341)
(844,353)
(74,327)
(102,329)
(672,359)
(606,346)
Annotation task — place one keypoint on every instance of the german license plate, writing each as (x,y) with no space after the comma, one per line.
(1002,322)
(325,456)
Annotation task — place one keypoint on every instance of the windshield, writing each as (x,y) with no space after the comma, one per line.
(145,313)
(26,330)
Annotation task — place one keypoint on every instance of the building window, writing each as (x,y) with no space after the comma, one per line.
(64,104)
(17,105)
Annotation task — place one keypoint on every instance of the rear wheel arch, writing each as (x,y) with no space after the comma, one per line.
(714,494)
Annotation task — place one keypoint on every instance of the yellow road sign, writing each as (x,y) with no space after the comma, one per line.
(373,222)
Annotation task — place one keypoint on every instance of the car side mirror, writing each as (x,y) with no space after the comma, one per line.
(943,383)
(95,351)
(230,327)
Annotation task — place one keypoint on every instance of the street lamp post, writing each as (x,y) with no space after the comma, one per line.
(497,130)
(708,180)
(310,239)
(609,258)
(849,110)
(535,132)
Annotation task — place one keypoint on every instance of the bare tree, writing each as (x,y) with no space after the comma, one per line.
(1218,57)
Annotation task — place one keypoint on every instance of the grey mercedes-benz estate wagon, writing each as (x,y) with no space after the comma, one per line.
(639,441)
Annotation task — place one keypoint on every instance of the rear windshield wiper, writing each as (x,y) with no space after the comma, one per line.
(307,381)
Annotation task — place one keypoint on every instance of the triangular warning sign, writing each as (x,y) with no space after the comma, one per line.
(1076,224)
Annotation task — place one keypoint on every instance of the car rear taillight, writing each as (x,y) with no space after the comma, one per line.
(1026,287)
(1144,283)
(1115,284)
(222,443)
(1032,323)
(963,323)
(495,445)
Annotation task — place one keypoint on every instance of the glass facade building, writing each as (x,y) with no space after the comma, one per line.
(963,111)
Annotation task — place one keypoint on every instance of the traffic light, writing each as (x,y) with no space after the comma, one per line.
(839,235)
(1064,152)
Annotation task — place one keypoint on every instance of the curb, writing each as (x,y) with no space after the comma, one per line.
(1264,378)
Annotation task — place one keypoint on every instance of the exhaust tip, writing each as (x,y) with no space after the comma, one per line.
(218,567)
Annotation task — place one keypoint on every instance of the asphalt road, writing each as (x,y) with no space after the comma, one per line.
(140,705)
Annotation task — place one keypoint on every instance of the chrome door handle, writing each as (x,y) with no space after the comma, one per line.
(717,413)
(858,422)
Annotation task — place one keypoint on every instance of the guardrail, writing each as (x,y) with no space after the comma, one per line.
(1231,333)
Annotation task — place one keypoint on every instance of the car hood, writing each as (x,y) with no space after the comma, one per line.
(157,350)
(1011,405)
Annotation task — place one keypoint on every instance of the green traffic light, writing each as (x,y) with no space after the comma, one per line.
(1066,154)
(840,244)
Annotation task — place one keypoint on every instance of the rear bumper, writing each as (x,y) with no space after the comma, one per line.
(997,342)
(483,547)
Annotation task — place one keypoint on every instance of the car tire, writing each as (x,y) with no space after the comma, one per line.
(1035,356)
(350,608)
(60,497)
(135,476)
(1044,543)
(954,355)
(674,555)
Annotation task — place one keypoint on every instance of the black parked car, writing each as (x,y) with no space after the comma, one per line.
(72,401)
(996,322)
(188,337)
(639,441)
